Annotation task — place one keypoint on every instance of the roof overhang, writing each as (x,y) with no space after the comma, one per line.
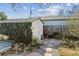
(42,18)
(47,18)
(19,20)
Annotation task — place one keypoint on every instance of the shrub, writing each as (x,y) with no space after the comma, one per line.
(68,52)
(71,42)
(36,43)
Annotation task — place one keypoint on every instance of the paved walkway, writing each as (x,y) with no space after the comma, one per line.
(47,43)
(54,44)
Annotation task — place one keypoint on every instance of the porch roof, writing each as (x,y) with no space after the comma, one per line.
(48,18)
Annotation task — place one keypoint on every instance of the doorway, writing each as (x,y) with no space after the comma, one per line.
(52,32)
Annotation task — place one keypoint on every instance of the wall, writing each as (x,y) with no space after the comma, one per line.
(37,29)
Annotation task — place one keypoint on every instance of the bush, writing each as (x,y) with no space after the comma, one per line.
(68,52)
(36,43)
(71,42)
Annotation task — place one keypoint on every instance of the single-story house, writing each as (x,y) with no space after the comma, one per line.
(38,26)
(27,28)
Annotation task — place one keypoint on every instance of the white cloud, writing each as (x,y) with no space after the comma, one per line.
(45,3)
(32,8)
(0,10)
(55,7)
(48,10)
(76,3)
(54,10)
(39,10)
(24,7)
(68,4)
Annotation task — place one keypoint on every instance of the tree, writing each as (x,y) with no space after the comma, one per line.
(73,25)
(3,16)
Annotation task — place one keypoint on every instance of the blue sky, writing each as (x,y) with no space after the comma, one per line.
(22,9)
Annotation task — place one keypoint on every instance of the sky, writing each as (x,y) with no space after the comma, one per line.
(43,9)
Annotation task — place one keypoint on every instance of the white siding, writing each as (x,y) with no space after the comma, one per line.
(37,29)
